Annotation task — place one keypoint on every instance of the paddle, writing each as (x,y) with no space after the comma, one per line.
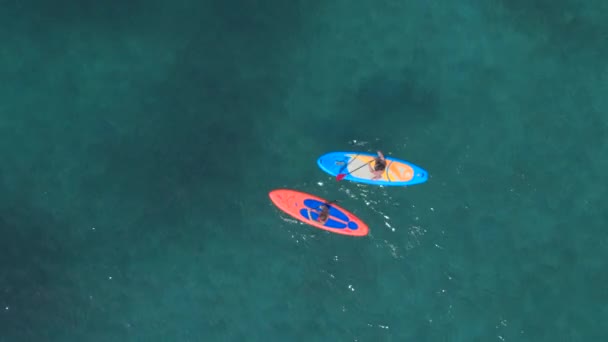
(329,203)
(342,175)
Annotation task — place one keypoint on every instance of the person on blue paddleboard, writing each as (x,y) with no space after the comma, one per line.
(324,214)
(379,166)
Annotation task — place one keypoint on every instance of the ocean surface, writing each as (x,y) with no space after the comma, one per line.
(139,141)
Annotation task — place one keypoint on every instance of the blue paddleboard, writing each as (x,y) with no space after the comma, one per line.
(397,173)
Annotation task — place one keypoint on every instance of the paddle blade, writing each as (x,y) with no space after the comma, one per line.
(340,176)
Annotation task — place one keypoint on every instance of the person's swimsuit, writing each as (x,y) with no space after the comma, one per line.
(323,215)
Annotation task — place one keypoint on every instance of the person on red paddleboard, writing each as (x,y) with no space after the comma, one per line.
(324,214)
(379,166)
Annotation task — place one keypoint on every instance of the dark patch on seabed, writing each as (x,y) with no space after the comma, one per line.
(389,95)
(176,147)
(385,101)
(204,111)
(35,267)
(569,25)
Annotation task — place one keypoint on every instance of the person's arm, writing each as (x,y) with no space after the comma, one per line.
(381,155)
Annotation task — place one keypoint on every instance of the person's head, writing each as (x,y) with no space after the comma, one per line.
(323,216)
(379,165)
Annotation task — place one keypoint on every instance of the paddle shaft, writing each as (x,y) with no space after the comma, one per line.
(350,161)
(349,172)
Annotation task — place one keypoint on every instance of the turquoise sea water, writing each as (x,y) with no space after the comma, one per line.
(140,141)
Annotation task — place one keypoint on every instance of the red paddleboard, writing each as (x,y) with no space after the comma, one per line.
(306,208)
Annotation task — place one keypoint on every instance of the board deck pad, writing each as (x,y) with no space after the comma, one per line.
(306,208)
(356,166)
